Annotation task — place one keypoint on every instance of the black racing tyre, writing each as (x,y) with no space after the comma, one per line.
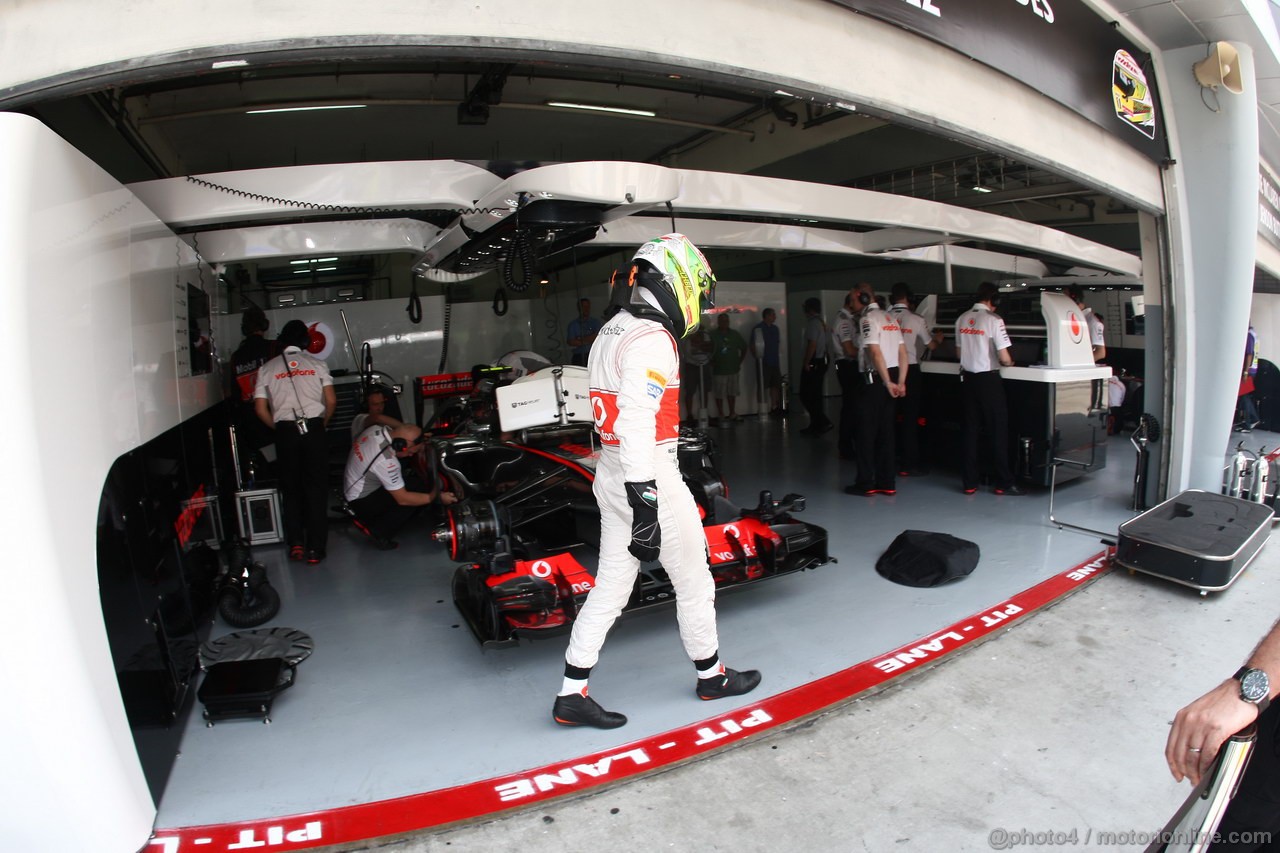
(1151,425)
(249,608)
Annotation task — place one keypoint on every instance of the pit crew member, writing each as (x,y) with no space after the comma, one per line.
(295,397)
(880,352)
(373,483)
(979,333)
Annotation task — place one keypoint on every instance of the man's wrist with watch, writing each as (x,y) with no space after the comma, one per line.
(1255,687)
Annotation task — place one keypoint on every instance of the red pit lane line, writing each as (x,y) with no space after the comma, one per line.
(574,775)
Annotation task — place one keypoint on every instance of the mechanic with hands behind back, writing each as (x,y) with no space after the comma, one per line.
(295,397)
(979,333)
(646,510)
(373,483)
(1203,726)
(915,334)
(880,352)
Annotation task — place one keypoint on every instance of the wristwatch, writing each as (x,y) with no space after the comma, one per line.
(1255,687)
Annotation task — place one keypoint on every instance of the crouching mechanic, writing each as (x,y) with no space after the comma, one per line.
(646,510)
(374,484)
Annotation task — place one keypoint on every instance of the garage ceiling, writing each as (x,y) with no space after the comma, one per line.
(359,105)
(508,117)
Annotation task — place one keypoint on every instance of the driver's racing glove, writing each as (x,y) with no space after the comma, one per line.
(646,536)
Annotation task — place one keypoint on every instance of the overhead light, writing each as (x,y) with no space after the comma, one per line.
(314,260)
(229,63)
(600,109)
(325,269)
(853,108)
(307,109)
(979,188)
(783,93)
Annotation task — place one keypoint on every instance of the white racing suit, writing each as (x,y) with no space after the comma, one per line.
(635,385)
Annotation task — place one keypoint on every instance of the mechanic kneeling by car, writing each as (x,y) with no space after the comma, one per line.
(374,482)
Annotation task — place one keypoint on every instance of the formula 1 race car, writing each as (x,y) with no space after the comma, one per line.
(528,531)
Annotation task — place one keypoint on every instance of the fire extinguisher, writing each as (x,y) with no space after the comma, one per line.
(1261,476)
(1237,484)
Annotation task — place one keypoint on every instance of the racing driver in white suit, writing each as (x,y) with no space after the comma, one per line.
(646,510)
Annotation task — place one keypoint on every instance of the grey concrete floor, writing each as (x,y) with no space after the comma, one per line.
(1056,725)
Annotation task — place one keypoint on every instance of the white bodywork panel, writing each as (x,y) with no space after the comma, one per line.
(89,335)
(538,398)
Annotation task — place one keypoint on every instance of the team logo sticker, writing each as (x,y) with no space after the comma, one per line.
(1131,95)
(1075,327)
(321,343)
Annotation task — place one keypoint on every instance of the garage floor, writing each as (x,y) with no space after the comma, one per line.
(399,699)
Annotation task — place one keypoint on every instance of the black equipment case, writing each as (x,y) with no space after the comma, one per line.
(1197,539)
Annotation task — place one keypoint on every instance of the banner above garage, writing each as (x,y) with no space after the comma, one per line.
(1061,48)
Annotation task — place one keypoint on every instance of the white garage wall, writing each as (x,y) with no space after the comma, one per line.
(90,343)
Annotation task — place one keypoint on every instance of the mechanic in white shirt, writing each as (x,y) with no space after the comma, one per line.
(295,397)
(980,333)
(915,334)
(373,483)
(880,352)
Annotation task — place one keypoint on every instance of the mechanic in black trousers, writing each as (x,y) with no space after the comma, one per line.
(915,334)
(295,397)
(880,352)
(844,338)
(979,333)
(375,487)
(1252,820)
(816,343)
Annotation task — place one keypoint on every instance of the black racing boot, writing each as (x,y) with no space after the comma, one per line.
(731,683)
(578,710)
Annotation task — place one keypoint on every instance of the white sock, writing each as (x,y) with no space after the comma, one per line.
(573,685)
(713,671)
